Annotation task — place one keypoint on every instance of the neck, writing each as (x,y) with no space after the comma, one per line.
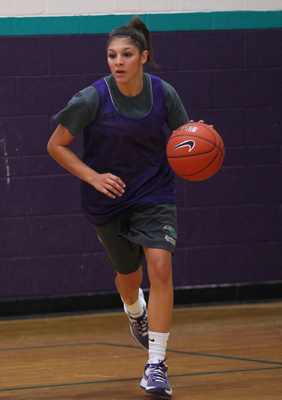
(131,89)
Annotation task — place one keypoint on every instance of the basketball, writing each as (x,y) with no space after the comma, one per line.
(195,151)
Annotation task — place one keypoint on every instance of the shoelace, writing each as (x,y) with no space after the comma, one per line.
(158,371)
(141,323)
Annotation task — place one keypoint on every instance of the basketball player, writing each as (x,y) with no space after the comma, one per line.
(128,191)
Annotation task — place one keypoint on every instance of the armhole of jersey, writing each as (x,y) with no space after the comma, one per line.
(152,95)
(111,97)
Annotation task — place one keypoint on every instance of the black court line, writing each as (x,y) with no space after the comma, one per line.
(139,348)
(138,379)
(51,346)
(207,355)
(226,357)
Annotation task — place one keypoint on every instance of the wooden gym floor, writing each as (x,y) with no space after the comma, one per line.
(222,352)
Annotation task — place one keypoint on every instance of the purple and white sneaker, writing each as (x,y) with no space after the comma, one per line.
(139,326)
(155,381)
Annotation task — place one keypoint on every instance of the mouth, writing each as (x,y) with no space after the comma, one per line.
(120,73)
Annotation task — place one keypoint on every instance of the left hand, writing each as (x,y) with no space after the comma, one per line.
(200,122)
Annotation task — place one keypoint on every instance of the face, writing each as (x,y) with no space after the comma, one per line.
(125,61)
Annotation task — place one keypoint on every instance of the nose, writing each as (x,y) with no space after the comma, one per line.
(119,60)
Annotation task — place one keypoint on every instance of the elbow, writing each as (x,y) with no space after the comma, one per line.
(50,148)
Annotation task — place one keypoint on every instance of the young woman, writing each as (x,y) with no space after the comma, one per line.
(128,191)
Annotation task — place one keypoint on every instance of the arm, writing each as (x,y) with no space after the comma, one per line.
(177,115)
(57,147)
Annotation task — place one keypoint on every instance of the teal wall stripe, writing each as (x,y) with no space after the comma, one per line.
(179,22)
(247,20)
(104,23)
(156,22)
(6,26)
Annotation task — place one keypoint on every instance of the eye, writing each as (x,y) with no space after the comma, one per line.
(127,54)
(112,56)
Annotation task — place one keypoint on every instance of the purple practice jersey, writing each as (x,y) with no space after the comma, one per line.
(133,149)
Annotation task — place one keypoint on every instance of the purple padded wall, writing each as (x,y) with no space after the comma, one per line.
(229,226)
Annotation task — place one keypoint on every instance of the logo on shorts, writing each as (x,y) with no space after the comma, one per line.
(172,236)
(171,231)
(170,239)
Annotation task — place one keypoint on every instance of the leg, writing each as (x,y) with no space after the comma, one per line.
(134,304)
(128,285)
(160,306)
(161,289)
(126,257)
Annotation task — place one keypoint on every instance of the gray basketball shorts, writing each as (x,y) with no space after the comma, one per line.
(124,237)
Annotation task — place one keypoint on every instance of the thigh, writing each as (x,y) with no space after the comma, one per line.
(124,255)
(154,227)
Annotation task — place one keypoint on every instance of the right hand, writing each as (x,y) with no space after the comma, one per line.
(108,184)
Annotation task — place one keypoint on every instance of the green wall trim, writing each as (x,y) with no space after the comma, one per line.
(64,25)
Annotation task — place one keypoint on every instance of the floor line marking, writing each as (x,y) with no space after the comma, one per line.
(139,348)
(137,379)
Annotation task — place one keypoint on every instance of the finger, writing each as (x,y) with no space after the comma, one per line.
(111,192)
(107,193)
(113,188)
(116,188)
(117,180)
(115,191)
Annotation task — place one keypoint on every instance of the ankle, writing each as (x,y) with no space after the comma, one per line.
(157,346)
(136,308)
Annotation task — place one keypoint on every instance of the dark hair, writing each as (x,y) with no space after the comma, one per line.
(138,33)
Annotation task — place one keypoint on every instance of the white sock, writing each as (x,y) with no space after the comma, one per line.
(137,308)
(157,346)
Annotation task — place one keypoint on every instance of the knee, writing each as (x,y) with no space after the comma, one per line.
(160,272)
(130,281)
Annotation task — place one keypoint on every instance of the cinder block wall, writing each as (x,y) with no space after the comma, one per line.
(229,225)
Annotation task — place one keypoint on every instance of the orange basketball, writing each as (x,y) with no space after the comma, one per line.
(195,151)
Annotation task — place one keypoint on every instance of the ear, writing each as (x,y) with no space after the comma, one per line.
(144,56)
